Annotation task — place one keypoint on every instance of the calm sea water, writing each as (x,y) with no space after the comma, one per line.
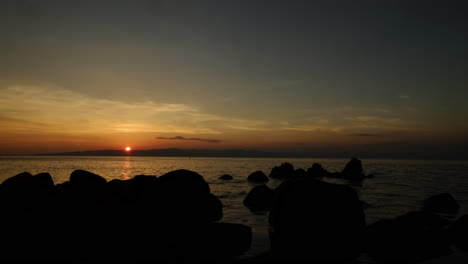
(398,187)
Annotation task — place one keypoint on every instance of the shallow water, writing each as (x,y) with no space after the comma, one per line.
(398,187)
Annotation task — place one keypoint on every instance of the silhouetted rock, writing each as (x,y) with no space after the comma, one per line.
(259,198)
(176,211)
(43,181)
(185,195)
(353,170)
(18,183)
(24,192)
(317,220)
(218,241)
(87,188)
(298,173)
(336,175)
(459,233)
(257,177)
(143,188)
(441,203)
(317,171)
(413,237)
(115,189)
(226,177)
(87,182)
(283,171)
(142,180)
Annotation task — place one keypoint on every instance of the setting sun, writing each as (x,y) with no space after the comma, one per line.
(128,149)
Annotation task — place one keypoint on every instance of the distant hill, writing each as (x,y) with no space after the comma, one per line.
(365,151)
(173,152)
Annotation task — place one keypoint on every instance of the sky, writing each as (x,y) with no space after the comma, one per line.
(265,75)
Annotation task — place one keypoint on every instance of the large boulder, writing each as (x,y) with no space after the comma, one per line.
(43,182)
(413,237)
(317,171)
(184,195)
(285,170)
(22,182)
(257,177)
(441,203)
(87,182)
(85,188)
(353,170)
(218,241)
(142,188)
(26,192)
(259,198)
(139,188)
(316,220)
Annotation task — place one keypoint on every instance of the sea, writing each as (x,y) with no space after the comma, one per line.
(399,186)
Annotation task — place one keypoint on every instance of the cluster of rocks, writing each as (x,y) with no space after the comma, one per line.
(318,221)
(174,217)
(352,171)
(147,218)
(261,196)
(418,235)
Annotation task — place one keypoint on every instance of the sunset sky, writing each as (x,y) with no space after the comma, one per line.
(266,75)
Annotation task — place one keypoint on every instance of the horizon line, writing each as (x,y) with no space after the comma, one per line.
(247,153)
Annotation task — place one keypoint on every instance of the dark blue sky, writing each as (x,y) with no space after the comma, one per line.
(248,73)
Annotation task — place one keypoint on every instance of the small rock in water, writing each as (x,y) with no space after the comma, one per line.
(441,203)
(226,177)
(353,170)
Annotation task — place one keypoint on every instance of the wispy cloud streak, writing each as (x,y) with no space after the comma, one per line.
(365,135)
(190,139)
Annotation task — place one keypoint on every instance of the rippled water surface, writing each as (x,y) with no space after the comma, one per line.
(398,186)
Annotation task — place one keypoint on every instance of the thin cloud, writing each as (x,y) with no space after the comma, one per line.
(365,135)
(191,139)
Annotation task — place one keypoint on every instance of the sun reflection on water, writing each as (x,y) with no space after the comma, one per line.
(127,170)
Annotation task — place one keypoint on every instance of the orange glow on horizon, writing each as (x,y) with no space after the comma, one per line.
(128,149)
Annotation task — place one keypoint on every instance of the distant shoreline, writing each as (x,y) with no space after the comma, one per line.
(240,153)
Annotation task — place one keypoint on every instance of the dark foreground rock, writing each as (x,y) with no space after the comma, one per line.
(458,232)
(259,198)
(143,219)
(410,238)
(187,195)
(316,221)
(258,177)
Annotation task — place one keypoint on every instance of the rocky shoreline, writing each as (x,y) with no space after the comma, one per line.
(175,217)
